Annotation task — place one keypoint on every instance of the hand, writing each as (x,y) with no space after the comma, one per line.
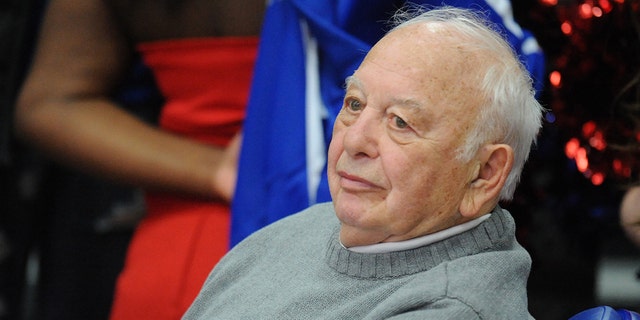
(630,214)
(225,176)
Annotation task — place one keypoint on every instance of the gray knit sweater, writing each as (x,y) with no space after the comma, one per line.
(297,269)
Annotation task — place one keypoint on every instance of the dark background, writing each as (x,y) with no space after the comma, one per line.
(568,217)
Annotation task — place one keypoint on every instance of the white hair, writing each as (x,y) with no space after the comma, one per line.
(510,113)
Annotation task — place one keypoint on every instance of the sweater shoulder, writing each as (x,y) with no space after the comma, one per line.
(312,219)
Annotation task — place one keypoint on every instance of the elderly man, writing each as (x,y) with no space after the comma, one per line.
(436,125)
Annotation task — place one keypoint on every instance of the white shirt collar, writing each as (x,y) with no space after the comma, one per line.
(385,247)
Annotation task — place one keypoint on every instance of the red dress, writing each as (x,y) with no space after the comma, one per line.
(205,83)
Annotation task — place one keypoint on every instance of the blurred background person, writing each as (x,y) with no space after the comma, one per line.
(630,214)
(201,54)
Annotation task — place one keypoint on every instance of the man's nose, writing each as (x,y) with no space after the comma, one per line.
(362,136)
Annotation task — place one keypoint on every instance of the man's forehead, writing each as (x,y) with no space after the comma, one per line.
(421,65)
(430,47)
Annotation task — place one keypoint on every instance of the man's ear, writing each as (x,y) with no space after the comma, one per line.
(493,167)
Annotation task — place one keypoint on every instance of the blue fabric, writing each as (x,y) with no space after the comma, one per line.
(272,179)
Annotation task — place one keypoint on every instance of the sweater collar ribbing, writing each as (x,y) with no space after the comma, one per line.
(493,232)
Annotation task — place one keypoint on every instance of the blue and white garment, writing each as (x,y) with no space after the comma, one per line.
(307,49)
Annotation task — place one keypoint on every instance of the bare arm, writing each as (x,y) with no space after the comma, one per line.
(64,109)
(630,214)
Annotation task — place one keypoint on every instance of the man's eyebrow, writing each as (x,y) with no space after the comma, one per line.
(352,81)
(411,103)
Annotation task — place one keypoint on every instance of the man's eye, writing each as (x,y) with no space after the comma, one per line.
(399,122)
(354,105)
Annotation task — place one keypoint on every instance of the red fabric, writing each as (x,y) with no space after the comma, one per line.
(206,84)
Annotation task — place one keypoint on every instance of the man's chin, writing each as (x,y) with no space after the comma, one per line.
(353,235)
